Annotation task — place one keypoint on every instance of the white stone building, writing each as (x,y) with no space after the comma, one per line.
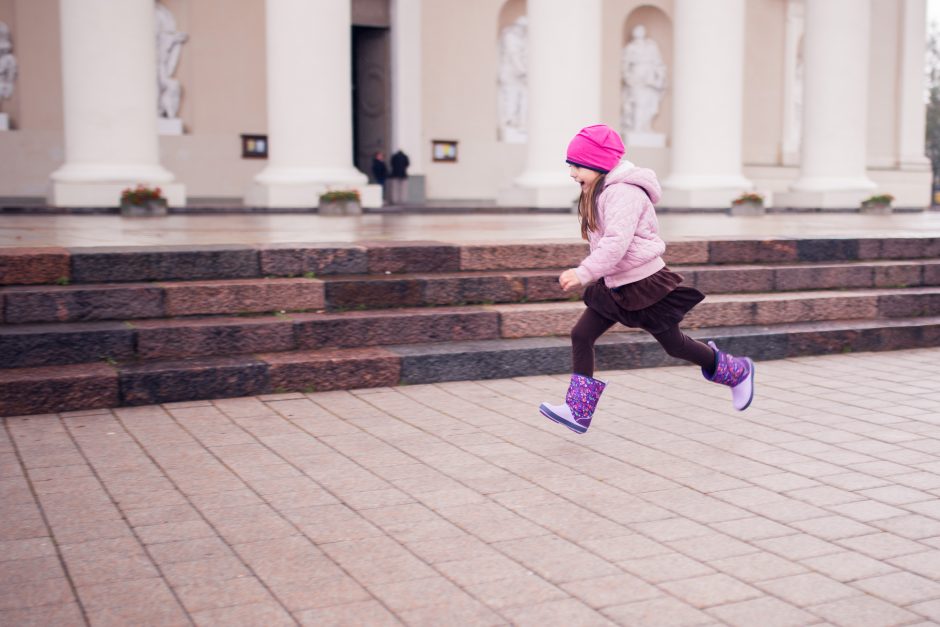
(818,103)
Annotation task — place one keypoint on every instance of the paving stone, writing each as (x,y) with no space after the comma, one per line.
(661,610)
(861,610)
(900,588)
(807,589)
(766,611)
(33,265)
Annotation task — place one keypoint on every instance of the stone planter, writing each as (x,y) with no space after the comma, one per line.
(340,208)
(748,209)
(147,208)
(876,208)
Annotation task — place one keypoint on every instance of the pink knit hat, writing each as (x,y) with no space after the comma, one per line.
(597,147)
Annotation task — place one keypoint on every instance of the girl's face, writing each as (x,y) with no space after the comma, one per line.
(582,176)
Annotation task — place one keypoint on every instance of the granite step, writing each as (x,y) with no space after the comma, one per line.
(130,264)
(87,386)
(521,286)
(130,301)
(541,319)
(31,345)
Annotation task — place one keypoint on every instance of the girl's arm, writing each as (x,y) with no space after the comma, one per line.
(623,204)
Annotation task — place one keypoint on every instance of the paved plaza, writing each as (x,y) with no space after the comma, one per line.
(113,230)
(457,504)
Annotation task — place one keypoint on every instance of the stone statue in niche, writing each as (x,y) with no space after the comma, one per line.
(169,46)
(644,81)
(7,72)
(512,80)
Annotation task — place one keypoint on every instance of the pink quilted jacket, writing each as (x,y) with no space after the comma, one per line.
(626,246)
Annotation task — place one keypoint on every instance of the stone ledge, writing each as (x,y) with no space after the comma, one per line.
(34,265)
(319,371)
(24,346)
(79,303)
(298,259)
(234,296)
(163,263)
(57,388)
(192,379)
(353,329)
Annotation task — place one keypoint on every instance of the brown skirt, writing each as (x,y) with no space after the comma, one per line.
(654,304)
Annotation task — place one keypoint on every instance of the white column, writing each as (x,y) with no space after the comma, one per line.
(708,86)
(406,81)
(406,86)
(109,79)
(309,82)
(564,56)
(835,107)
(911,106)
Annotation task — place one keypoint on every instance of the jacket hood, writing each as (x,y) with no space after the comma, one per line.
(626,172)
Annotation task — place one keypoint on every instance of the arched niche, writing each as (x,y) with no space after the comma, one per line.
(658,28)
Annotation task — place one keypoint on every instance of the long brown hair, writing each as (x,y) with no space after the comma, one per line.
(587,206)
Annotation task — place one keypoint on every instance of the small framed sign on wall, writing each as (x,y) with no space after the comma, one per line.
(254,146)
(444,150)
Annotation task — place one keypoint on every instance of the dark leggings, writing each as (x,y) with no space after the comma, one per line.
(592,325)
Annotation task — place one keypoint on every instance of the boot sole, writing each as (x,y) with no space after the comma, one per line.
(751,398)
(545,411)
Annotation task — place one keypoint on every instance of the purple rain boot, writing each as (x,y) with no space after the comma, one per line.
(735,372)
(580,403)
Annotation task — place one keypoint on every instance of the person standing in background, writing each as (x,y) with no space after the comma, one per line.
(379,170)
(398,186)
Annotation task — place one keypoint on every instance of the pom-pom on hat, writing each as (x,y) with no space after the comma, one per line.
(597,147)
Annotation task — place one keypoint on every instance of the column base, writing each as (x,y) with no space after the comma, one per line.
(544,197)
(821,200)
(279,187)
(4,122)
(94,194)
(915,164)
(169,126)
(305,195)
(698,198)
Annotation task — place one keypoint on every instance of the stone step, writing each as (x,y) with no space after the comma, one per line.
(130,301)
(87,386)
(457,361)
(121,264)
(31,345)
(375,292)
(541,319)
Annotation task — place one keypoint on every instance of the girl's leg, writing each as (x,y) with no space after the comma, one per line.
(678,344)
(590,326)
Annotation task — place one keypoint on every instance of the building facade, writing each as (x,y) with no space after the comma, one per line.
(814,103)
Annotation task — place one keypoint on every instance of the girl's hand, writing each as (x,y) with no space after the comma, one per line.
(569,280)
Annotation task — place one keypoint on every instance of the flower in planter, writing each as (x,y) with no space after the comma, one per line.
(140,195)
(879,200)
(340,195)
(750,197)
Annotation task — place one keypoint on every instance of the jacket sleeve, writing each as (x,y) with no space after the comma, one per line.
(623,205)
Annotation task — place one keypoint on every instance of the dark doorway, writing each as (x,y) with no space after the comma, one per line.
(371,69)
